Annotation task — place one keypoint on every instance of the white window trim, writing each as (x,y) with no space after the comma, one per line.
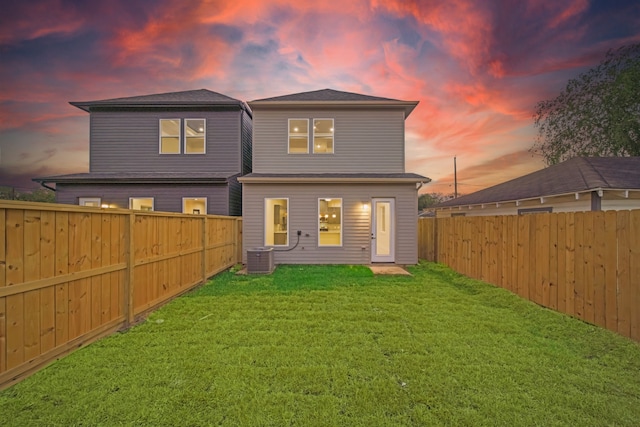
(153,202)
(266,217)
(184,200)
(333,136)
(179,137)
(341,222)
(83,200)
(186,137)
(289,135)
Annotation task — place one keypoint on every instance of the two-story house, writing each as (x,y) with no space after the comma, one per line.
(328,184)
(175,152)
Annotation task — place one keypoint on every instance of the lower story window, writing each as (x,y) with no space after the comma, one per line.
(141,203)
(89,201)
(194,205)
(276,225)
(329,222)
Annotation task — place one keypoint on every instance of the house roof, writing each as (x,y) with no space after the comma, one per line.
(190,98)
(331,97)
(340,178)
(138,178)
(575,175)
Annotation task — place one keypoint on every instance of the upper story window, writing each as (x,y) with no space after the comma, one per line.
(170,136)
(323,136)
(171,140)
(194,136)
(298,136)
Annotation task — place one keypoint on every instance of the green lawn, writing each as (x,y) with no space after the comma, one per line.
(336,346)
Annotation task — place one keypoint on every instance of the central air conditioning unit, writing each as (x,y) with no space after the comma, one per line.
(260,260)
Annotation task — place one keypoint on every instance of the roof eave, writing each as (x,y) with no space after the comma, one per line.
(331,180)
(526,199)
(407,106)
(87,106)
(131,180)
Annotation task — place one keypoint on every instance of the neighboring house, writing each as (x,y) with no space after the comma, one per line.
(578,184)
(329,183)
(175,152)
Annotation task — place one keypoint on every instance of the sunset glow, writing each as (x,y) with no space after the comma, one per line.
(477,68)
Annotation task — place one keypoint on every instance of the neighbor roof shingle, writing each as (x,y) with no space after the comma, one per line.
(333,98)
(574,175)
(197,97)
(326,95)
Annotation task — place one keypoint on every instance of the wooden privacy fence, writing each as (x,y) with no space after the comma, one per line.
(585,264)
(70,275)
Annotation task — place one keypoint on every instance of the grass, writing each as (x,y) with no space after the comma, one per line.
(336,346)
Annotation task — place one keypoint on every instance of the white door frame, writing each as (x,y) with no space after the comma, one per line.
(387,225)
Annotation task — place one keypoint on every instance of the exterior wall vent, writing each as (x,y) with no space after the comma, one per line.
(260,260)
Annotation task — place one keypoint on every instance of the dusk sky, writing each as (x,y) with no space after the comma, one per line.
(477,67)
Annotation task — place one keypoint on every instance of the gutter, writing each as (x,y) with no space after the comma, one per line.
(333,180)
(43,183)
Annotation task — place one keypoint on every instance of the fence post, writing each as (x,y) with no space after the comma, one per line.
(238,240)
(435,239)
(129,279)
(204,247)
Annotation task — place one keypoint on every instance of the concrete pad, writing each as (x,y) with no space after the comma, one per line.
(389,270)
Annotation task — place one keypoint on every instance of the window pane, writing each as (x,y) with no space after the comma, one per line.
(323,136)
(323,126)
(323,144)
(169,136)
(298,135)
(330,222)
(298,145)
(195,145)
(194,127)
(195,205)
(141,203)
(89,201)
(194,136)
(170,127)
(276,222)
(170,145)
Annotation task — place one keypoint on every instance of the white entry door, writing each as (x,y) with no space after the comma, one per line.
(383,230)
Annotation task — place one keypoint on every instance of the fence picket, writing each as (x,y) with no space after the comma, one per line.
(599,253)
(589,268)
(3,300)
(553,262)
(624,278)
(46,241)
(634,273)
(584,264)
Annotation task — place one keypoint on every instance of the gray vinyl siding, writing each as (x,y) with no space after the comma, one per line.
(128,140)
(356,224)
(235,197)
(167,197)
(364,141)
(246,142)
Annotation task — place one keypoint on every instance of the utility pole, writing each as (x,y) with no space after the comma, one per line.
(455,179)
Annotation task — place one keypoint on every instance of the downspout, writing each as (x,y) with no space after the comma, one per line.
(46,186)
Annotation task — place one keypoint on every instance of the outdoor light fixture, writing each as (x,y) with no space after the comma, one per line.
(365,206)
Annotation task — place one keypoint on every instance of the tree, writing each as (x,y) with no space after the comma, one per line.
(430,199)
(39,195)
(597,114)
